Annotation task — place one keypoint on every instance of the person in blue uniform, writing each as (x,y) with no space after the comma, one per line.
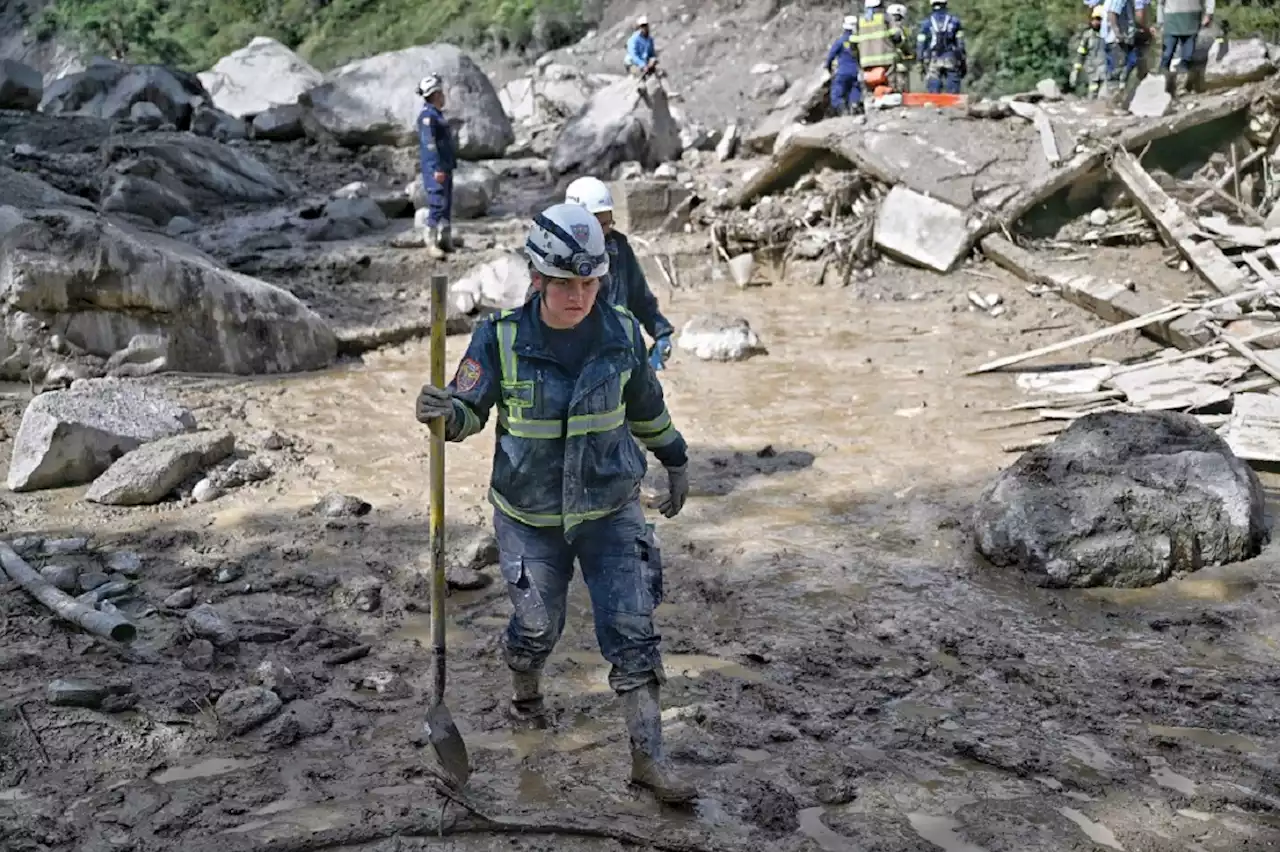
(438,156)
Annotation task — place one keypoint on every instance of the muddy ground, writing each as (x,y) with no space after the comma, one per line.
(843,674)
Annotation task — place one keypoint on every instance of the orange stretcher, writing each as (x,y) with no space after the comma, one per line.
(932,99)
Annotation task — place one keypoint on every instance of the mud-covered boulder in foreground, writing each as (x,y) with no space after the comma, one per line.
(623,122)
(96,286)
(374,101)
(21,86)
(1123,500)
(109,89)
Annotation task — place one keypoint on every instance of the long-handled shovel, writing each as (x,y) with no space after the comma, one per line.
(438,726)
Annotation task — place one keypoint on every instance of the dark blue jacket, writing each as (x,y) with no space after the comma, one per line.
(941,36)
(567,447)
(626,285)
(435,143)
(842,58)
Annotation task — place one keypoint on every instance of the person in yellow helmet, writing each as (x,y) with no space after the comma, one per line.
(1090,66)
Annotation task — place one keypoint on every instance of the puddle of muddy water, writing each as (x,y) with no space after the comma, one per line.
(1095,831)
(1207,738)
(204,769)
(941,831)
(812,827)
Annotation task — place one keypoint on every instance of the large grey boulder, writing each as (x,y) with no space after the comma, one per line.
(1234,62)
(551,93)
(374,101)
(1122,500)
(280,123)
(98,285)
(261,75)
(21,86)
(494,285)
(159,176)
(25,190)
(623,122)
(109,89)
(70,437)
(148,474)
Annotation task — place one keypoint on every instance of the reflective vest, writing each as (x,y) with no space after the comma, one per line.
(608,473)
(875,47)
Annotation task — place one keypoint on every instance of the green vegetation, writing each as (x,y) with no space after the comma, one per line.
(1012,43)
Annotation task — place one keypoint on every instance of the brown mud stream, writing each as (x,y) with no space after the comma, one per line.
(842,674)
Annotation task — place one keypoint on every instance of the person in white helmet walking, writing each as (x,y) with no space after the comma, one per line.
(900,79)
(846,75)
(576,399)
(625,284)
(438,157)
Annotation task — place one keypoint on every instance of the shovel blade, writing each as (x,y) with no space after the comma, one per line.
(450,750)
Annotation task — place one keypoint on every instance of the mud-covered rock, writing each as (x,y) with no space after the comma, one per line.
(280,124)
(804,101)
(359,593)
(770,807)
(216,124)
(101,284)
(1234,62)
(70,437)
(278,678)
(108,89)
(335,505)
(205,622)
(150,473)
(63,577)
(623,121)
(346,219)
(198,655)
(374,101)
(713,337)
(242,710)
(1122,500)
(21,86)
(76,692)
(259,76)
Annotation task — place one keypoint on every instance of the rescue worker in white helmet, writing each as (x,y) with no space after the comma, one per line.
(940,46)
(900,79)
(576,399)
(625,283)
(438,157)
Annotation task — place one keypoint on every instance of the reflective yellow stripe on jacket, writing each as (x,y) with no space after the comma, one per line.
(875,48)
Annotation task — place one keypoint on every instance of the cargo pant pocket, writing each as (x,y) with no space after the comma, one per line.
(526,600)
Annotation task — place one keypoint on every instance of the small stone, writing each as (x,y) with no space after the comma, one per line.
(311,717)
(124,562)
(91,580)
(22,149)
(465,579)
(242,710)
(252,469)
(666,171)
(1099,217)
(335,505)
(476,551)
(229,572)
(1049,89)
(272,440)
(362,593)
(836,793)
(387,685)
(27,545)
(277,678)
(205,622)
(65,578)
(206,491)
(76,692)
(180,225)
(199,655)
(181,599)
(63,546)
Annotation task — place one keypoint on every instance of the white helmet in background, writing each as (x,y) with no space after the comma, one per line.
(566,241)
(897,10)
(642,21)
(429,85)
(850,23)
(871,4)
(591,193)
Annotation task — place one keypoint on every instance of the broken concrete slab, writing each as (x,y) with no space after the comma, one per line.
(70,437)
(1232,63)
(150,473)
(1253,432)
(1151,98)
(804,101)
(1179,386)
(922,230)
(644,205)
(835,142)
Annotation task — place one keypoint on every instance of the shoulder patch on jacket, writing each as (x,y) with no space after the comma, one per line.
(469,373)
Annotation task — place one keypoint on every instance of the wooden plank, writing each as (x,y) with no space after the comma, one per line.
(1200,352)
(1044,127)
(1235,343)
(1177,227)
(1254,262)
(1253,430)
(1108,300)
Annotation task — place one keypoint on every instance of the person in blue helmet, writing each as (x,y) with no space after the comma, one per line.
(575,398)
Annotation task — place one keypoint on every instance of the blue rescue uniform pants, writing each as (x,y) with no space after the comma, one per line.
(439,199)
(623,572)
(846,92)
(943,75)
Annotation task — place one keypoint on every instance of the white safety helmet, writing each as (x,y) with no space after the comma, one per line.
(897,10)
(591,193)
(429,85)
(850,23)
(566,241)
(642,21)
(871,4)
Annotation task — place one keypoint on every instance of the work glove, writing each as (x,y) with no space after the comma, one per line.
(433,402)
(677,491)
(660,352)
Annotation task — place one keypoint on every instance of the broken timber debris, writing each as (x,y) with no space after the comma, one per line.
(1177,227)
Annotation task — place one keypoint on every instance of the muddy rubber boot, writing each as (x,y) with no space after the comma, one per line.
(527,706)
(649,768)
(446,239)
(433,241)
